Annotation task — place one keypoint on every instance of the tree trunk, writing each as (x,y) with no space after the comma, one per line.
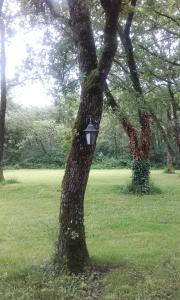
(140,177)
(140,151)
(176,118)
(71,249)
(1,174)
(170,164)
(139,147)
(3,96)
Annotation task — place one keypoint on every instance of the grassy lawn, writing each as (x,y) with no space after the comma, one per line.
(137,239)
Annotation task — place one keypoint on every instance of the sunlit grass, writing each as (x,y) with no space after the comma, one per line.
(138,238)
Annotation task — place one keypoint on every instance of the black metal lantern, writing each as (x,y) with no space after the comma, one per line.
(91,133)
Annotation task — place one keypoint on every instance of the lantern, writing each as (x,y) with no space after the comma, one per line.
(90,133)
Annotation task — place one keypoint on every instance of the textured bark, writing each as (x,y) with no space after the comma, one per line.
(1,174)
(133,138)
(139,146)
(170,163)
(3,93)
(140,166)
(72,250)
(141,149)
(128,127)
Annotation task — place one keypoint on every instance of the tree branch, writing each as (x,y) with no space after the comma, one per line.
(168,17)
(127,44)
(110,40)
(174,63)
(117,62)
(160,77)
(83,36)
(129,19)
(128,127)
(54,12)
(106,4)
(40,6)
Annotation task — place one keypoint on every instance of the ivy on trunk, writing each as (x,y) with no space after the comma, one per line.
(139,145)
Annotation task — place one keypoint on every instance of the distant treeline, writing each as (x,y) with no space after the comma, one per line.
(34,139)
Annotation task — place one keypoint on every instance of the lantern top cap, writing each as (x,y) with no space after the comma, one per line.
(90,127)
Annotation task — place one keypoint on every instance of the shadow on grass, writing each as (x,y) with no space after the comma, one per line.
(170,172)
(48,281)
(125,281)
(126,189)
(9,181)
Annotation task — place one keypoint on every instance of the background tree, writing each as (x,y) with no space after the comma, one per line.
(159,48)
(3,89)
(139,144)
(138,65)
(9,14)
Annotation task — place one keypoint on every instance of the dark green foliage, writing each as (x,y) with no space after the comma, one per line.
(105,162)
(35,141)
(140,177)
(39,139)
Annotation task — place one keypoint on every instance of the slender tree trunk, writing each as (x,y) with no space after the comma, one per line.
(1,174)
(72,249)
(176,118)
(140,151)
(139,147)
(170,163)
(165,135)
(177,132)
(3,95)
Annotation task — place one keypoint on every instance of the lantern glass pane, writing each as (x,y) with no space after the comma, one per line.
(93,138)
(88,138)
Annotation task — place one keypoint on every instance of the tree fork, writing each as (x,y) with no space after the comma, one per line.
(139,148)
(71,249)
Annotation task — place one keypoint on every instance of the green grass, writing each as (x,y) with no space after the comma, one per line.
(137,238)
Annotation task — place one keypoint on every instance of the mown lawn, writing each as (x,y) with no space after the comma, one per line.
(134,240)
